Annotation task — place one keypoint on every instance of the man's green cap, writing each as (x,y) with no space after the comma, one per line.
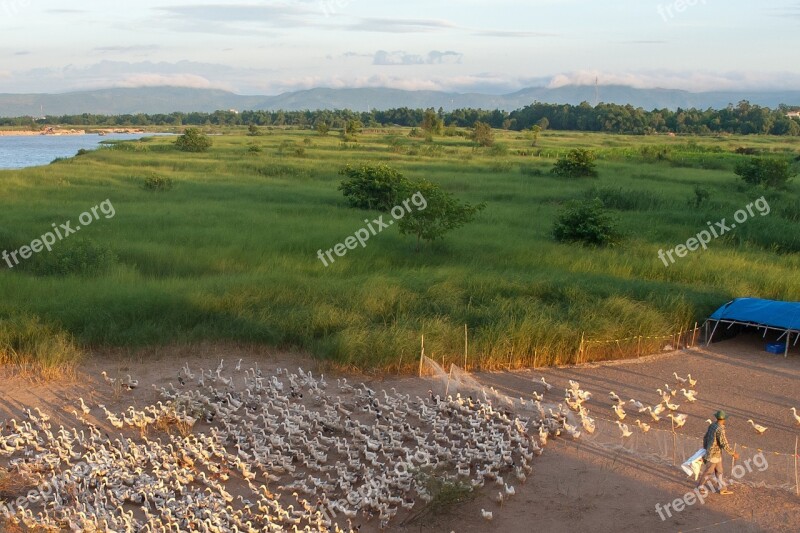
(721,415)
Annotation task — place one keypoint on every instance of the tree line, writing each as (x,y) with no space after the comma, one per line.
(743,118)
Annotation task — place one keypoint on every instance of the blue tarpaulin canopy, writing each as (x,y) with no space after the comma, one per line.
(767,314)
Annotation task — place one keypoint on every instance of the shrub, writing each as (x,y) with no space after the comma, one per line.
(154,182)
(498,150)
(766,172)
(586,222)
(625,199)
(435,211)
(530,170)
(253,131)
(578,163)
(193,140)
(82,151)
(372,187)
(701,196)
(482,134)
(254,149)
(73,256)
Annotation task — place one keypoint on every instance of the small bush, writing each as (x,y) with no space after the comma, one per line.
(82,151)
(157,183)
(74,256)
(586,222)
(530,170)
(254,149)
(578,163)
(193,140)
(372,187)
(765,172)
(625,199)
(701,196)
(498,149)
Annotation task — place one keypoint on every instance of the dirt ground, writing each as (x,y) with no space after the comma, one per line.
(574,485)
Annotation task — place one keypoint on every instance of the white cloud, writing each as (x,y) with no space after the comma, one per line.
(689,81)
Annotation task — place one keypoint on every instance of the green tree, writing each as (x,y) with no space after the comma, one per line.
(436,213)
(586,222)
(193,140)
(578,163)
(764,171)
(372,187)
(432,123)
(535,131)
(323,128)
(353,128)
(482,134)
(253,131)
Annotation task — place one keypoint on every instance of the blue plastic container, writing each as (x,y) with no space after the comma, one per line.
(776,347)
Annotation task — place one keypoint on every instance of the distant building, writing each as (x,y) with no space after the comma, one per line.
(793,114)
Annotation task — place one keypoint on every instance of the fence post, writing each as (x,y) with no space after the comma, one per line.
(421,355)
(465,347)
(694,334)
(580,351)
(674,441)
(639,347)
(796,483)
(534,357)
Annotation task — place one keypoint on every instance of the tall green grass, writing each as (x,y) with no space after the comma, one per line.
(229,253)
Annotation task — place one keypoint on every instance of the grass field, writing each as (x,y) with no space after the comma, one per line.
(230,252)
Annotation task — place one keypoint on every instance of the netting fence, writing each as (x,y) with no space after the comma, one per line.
(755,467)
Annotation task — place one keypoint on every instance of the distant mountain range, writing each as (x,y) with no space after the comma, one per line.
(169,99)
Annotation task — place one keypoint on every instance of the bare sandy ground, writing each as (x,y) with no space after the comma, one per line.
(574,486)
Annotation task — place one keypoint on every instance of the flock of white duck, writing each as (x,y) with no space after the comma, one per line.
(287,452)
(575,397)
(255,452)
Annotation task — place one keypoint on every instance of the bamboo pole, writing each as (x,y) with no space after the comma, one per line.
(447,387)
(639,347)
(694,334)
(674,441)
(796,482)
(466,346)
(534,357)
(421,355)
(580,350)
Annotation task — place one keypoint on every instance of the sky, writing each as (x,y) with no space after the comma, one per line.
(498,46)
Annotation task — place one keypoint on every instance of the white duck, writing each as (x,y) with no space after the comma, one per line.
(644,427)
(691,395)
(678,378)
(679,420)
(796,416)
(624,429)
(638,405)
(758,427)
(620,411)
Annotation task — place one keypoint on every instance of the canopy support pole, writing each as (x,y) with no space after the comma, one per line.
(708,342)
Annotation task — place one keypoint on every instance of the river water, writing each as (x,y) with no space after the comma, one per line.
(30,151)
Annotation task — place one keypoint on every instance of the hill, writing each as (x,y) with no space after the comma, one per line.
(170,99)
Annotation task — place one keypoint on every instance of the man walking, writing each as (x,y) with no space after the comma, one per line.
(714,442)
